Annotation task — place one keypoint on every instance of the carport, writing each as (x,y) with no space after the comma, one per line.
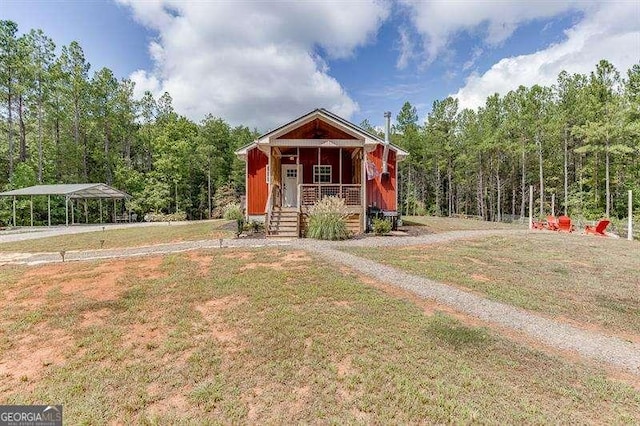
(71,192)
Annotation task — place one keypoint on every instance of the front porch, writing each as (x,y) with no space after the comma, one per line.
(298,177)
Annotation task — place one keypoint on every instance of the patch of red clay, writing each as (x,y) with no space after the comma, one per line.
(480,277)
(95,318)
(204,261)
(101,281)
(287,260)
(213,313)
(243,255)
(30,355)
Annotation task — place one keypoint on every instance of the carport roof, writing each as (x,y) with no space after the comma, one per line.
(72,190)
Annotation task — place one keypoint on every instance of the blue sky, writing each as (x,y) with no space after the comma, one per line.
(262,63)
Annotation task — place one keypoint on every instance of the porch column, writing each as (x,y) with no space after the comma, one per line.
(340,171)
(363,189)
(270,186)
(299,178)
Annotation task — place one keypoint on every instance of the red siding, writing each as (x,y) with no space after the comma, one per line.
(308,157)
(381,191)
(257,188)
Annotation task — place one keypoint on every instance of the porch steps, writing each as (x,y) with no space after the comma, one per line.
(283,224)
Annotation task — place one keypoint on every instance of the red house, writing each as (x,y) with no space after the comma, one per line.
(318,155)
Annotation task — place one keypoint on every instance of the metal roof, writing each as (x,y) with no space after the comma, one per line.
(72,190)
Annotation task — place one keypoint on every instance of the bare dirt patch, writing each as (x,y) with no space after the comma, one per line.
(203,261)
(480,277)
(288,260)
(213,313)
(95,318)
(31,354)
(244,255)
(100,281)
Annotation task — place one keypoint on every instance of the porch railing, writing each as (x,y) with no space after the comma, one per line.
(309,194)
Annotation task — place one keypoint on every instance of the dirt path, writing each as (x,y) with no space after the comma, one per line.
(590,344)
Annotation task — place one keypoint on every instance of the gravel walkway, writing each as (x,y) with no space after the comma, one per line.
(611,350)
(562,336)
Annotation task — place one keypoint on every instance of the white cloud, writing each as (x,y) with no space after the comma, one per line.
(493,21)
(253,63)
(406,47)
(610,31)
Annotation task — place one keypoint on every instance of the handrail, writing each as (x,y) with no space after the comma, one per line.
(267,209)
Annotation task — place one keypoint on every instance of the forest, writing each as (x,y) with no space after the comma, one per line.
(576,141)
(62,122)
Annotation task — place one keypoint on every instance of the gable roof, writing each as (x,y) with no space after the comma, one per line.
(72,190)
(356,131)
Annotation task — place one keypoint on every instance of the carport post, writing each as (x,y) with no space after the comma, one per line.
(115,212)
(553,204)
(73,213)
(86,212)
(31,208)
(14,211)
(100,202)
(48,210)
(66,209)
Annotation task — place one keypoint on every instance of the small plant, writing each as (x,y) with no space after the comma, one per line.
(232,211)
(327,220)
(381,226)
(256,226)
(62,253)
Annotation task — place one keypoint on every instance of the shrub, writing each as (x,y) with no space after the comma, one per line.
(381,226)
(162,217)
(223,196)
(232,211)
(256,226)
(327,220)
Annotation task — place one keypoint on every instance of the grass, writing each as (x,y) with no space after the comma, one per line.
(587,279)
(435,224)
(124,237)
(270,336)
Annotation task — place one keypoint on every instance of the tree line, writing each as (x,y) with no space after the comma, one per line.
(62,122)
(577,140)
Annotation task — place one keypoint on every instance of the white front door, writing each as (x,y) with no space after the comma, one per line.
(290,185)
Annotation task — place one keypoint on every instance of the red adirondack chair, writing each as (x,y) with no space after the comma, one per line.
(552,223)
(537,224)
(598,229)
(564,224)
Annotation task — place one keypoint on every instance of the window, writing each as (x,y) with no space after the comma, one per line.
(321,174)
(292,173)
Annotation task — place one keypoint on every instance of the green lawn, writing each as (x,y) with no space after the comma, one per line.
(436,224)
(270,336)
(588,279)
(124,237)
